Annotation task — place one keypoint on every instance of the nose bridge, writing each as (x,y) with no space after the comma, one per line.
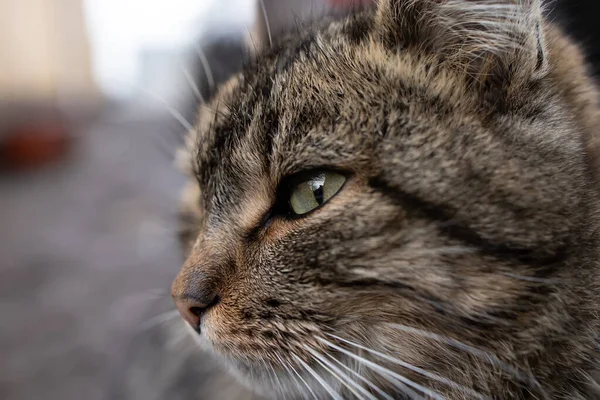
(202,274)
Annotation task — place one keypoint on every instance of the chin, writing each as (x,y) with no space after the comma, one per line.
(265,380)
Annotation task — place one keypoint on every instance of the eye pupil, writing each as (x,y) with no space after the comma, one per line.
(318,191)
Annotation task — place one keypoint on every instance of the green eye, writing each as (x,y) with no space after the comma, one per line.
(314,190)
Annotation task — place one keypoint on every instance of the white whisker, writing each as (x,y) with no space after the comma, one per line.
(267,25)
(172,110)
(207,69)
(383,394)
(279,385)
(251,37)
(159,320)
(319,379)
(405,389)
(149,294)
(340,375)
(299,377)
(269,374)
(384,370)
(413,368)
(492,359)
(192,83)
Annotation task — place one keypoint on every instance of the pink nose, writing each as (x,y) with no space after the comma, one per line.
(197,287)
(192,310)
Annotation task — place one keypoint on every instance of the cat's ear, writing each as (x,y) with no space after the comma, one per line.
(481,36)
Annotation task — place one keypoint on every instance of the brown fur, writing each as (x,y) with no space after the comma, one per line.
(469,219)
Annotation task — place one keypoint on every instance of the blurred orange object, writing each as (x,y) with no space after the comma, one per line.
(34,145)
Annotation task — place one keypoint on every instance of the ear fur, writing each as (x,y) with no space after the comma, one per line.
(482,37)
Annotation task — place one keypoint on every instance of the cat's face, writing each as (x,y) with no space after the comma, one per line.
(374,200)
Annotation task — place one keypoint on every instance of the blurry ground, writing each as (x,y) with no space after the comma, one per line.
(87,253)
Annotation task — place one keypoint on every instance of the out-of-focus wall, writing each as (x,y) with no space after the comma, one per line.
(281,14)
(44,51)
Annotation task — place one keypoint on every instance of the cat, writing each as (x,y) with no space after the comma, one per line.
(401,203)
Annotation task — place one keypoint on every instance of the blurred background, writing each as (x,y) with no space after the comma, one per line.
(95,96)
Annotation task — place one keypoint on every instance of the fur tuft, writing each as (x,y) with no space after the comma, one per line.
(486,37)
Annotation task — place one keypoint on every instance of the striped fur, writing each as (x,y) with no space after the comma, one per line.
(468,130)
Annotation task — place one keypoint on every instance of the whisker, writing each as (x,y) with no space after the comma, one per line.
(491,358)
(192,83)
(289,368)
(319,379)
(172,110)
(403,387)
(267,25)
(251,37)
(383,394)
(149,294)
(339,374)
(159,320)
(207,69)
(276,378)
(413,368)
(299,377)
(384,370)
(270,375)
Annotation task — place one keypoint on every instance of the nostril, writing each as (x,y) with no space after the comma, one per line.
(197,311)
(192,310)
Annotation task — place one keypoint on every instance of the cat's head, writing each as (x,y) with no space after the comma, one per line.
(399,202)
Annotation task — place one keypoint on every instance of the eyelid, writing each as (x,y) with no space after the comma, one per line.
(310,170)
